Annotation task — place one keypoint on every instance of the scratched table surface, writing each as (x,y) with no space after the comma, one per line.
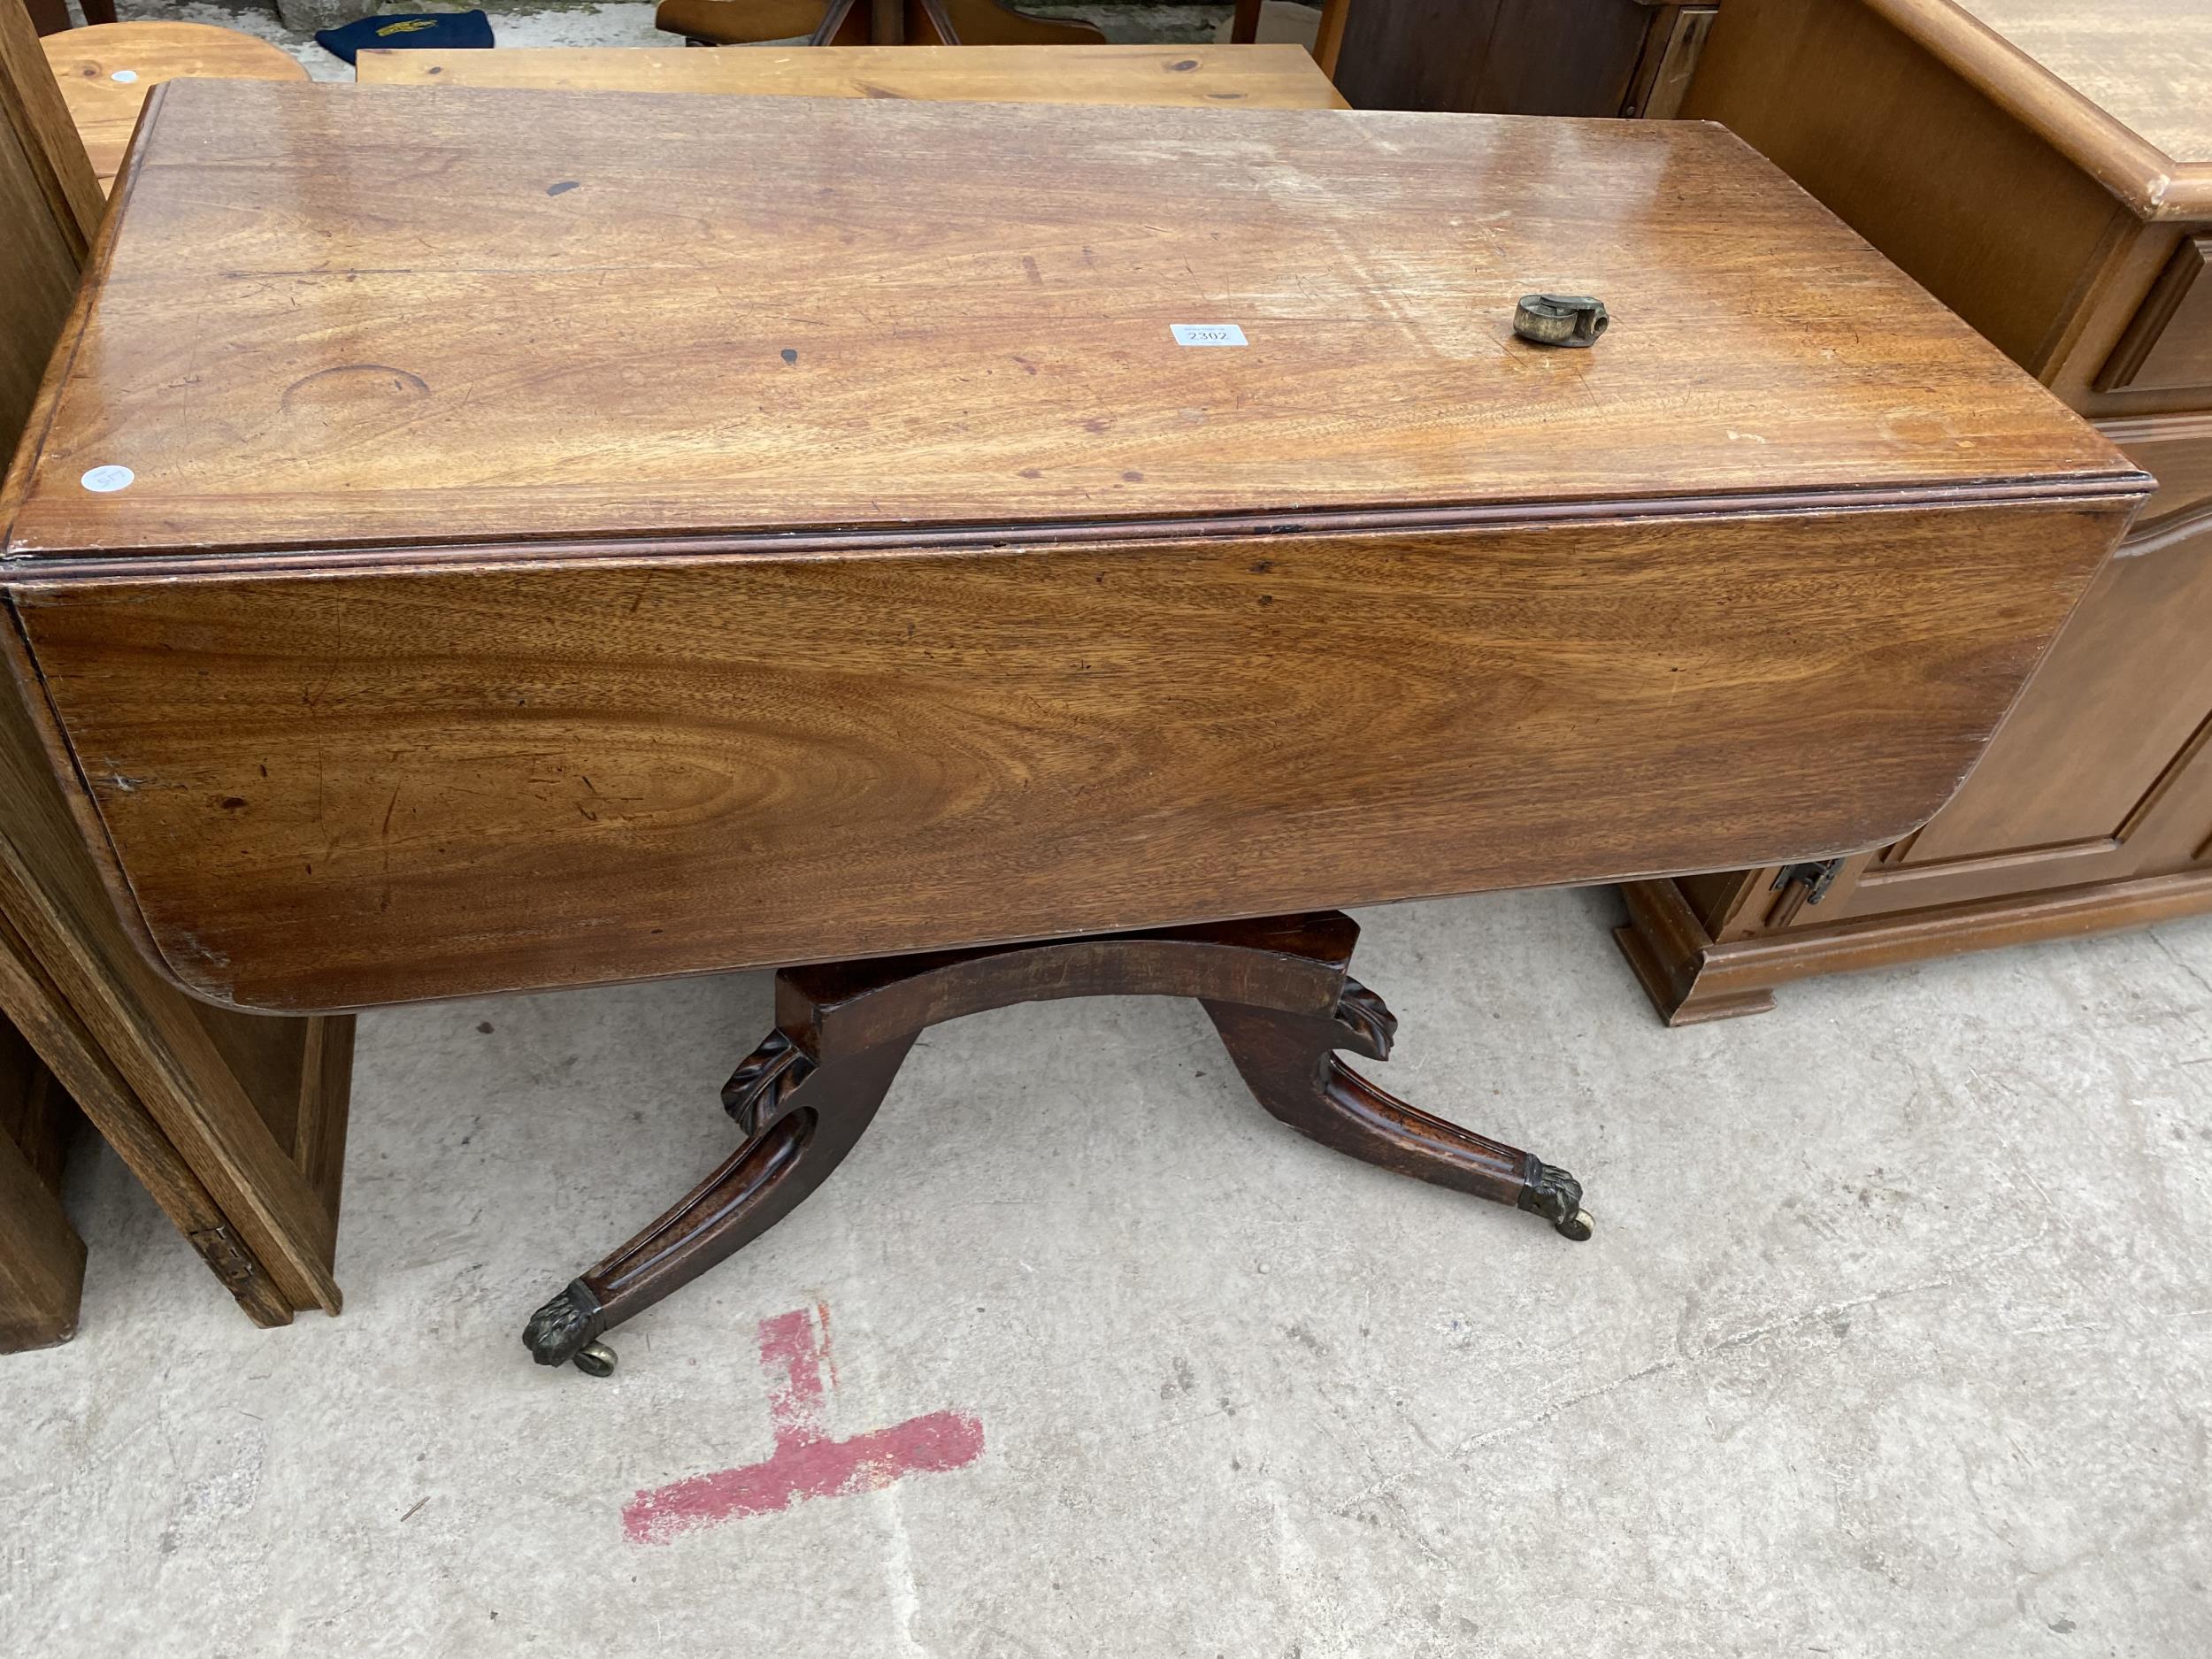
(334,316)
(722,532)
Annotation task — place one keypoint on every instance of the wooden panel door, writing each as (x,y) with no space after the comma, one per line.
(2098,774)
(1504,56)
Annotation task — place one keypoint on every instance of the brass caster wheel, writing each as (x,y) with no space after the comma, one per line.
(596,1359)
(1577,1226)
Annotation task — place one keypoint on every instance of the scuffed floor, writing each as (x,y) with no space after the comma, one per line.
(1895,1339)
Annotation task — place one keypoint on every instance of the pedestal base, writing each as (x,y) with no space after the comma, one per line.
(1276,990)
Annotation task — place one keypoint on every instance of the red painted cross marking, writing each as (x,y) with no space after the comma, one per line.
(806,1464)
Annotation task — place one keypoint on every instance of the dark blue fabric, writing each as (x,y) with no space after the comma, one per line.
(445,30)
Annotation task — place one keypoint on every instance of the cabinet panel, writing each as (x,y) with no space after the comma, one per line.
(1989,217)
(2080,778)
(1502,57)
(2168,345)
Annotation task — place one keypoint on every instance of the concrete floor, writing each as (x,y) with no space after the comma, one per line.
(1895,1338)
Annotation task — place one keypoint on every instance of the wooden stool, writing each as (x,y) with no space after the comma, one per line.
(107,71)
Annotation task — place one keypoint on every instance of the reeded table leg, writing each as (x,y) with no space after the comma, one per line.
(1276,989)
(800,1117)
(1289,1063)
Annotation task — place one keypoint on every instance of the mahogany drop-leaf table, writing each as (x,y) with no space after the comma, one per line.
(958,554)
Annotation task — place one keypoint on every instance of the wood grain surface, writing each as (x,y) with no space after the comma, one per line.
(1258,77)
(630,557)
(2070,239)
(1559,57)
(676,317)
(88,62)
(2147,63)
(30,999)
(1789,78)
(355,784)
(69,929)
(2118,87)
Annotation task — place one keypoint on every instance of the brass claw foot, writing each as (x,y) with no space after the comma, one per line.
(567,1328)
(1553,1194)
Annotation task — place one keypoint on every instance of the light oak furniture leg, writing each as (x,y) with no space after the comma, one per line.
(70,1051)
(41,1258)
(1279,992)
(1329,42)
(1244,29)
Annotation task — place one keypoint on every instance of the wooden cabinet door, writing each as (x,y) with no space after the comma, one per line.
(2101,771)
(1504,56)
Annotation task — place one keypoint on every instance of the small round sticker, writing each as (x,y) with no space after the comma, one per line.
(125,75)
(105,480)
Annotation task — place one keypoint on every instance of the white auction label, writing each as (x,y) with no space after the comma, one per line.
(1207,334)
(125,75)
(105,480)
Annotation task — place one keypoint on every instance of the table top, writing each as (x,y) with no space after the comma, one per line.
(2146,63)
(335,316)
(2122,87)
(107,70)
(1273,77)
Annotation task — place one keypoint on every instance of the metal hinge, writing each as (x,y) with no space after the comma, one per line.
(1816,879)
(232,1264)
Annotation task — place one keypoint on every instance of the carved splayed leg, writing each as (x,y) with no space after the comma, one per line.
(1289,1061)
(799,1117)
